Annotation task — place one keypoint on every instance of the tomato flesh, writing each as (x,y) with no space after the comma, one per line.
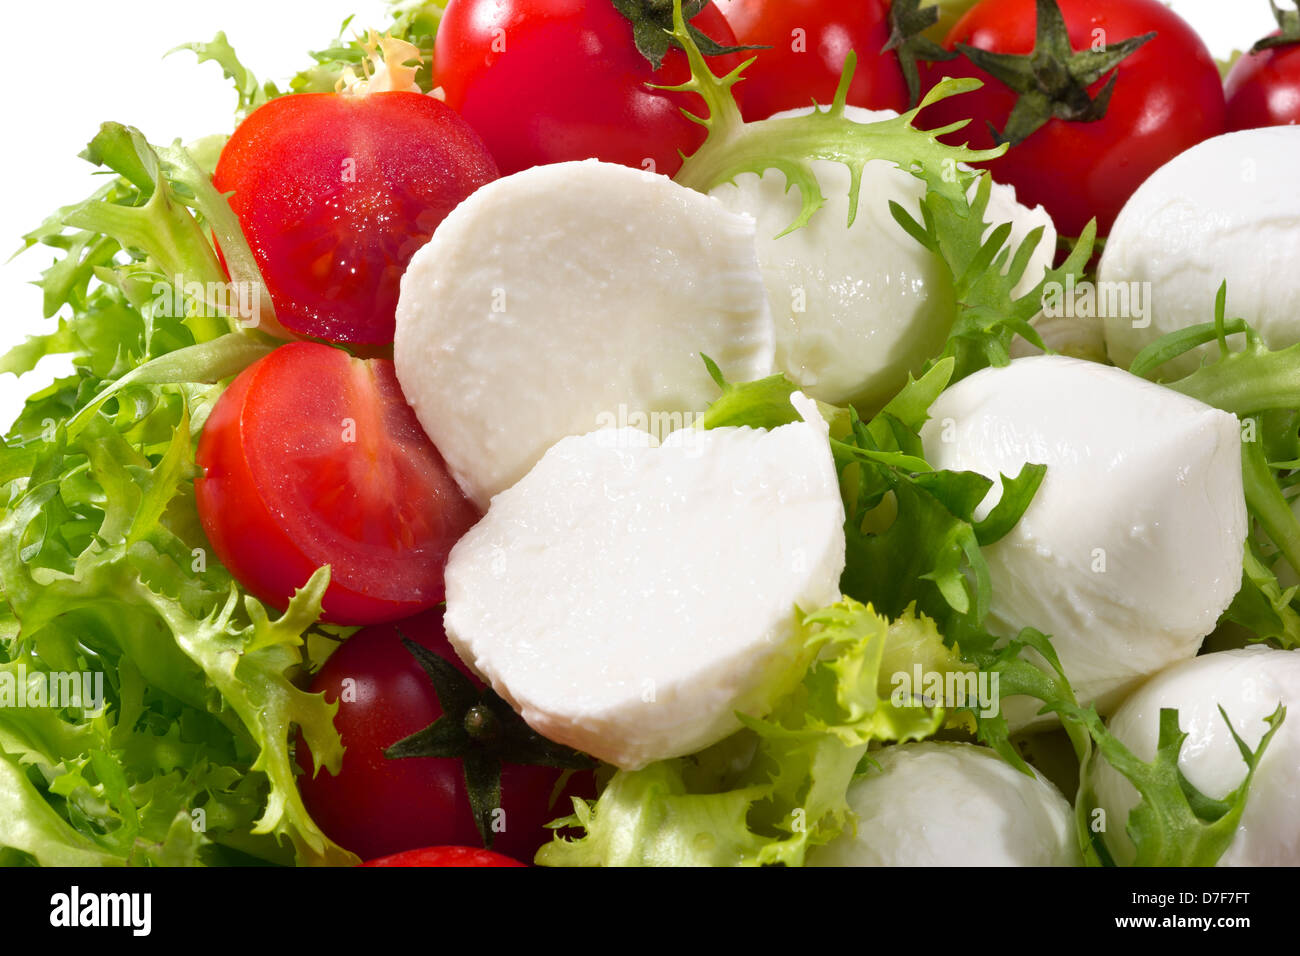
(336,193)
(312,457)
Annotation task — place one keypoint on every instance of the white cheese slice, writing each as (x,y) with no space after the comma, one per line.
(1228,208)
(1133,545)
(1249,684)
(858,308)
(627,600)
(952,804)
(566,297)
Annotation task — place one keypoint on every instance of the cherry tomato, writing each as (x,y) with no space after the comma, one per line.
(1263,89)
(809,41)
(1167,98)
(445,856)
(545,81)
(313,457)
(335,193)
(378,806)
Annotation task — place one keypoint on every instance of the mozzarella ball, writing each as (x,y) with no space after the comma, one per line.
(1132,548)
(554,300)
(859,308)
(1228,208)
(952,804)
(1248,684)
(628,600)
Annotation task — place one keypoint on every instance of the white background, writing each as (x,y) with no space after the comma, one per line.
(97,61)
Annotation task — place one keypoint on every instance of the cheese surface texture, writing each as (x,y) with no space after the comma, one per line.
(859,307)
(1248,684)
(1228,208)
(1132,547)
(628,599)
(952,804)
(553,298)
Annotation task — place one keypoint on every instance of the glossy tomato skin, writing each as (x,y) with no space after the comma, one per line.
(547,81)
(377,807)
(459,856)
(313,457)
(335,194)
(1263,89)
(1168,98)
(809,41)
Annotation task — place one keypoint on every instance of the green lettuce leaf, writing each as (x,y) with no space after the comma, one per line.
(984,272)
(250,92)
(105,570)
(771,792)
(415,21)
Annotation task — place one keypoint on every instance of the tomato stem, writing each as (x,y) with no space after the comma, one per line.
(908,21)
(1288,29)
(1054,78)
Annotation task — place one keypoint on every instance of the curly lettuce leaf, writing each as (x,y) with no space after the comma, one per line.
(984,272)
(105,570)
(100,575)
(1173,824)
(251,94)
(412,21)
(768,794)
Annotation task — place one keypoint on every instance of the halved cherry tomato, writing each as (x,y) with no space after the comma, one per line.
(445,856)
(313,457)
(335,193)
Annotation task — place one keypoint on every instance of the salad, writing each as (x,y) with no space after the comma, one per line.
(625,432)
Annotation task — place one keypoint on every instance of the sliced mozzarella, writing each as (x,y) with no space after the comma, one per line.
(951,804)
(551,301)
(858,308)
(1249,685)
(628,600)
(1133,545)
(1228,208)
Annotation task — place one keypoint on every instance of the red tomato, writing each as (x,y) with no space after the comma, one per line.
(1167,98)
(445,856)
(336,193)
(1263,89)
(313,457)
(809,41)
(545,81)
(377,806)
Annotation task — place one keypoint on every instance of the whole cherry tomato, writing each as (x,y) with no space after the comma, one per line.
(1164,97)
(546,81)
